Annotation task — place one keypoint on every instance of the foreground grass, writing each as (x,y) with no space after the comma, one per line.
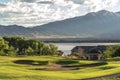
(12,71)
(110,78)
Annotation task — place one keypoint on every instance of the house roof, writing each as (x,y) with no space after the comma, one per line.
(91,49)
(86,48)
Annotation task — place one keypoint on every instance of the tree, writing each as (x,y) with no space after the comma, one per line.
(24,46)
(53,49)
(108,53)
(5,49)
(3,46)
(112,51)
(10,52)
(117,51)
(41,47)
(30,51)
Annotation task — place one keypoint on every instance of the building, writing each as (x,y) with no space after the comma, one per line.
(89,52)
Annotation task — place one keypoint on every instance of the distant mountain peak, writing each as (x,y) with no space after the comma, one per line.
(101,13)
(104,12)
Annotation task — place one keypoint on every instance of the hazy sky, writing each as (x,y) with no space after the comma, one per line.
(37,12)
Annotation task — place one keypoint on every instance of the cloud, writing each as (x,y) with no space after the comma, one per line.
(96,5)
(27,0)
(37,12)
(2,5)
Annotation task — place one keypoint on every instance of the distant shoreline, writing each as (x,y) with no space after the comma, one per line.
(81,41)
(78,40)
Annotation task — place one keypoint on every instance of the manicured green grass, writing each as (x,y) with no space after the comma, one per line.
(114,59)
(12,70)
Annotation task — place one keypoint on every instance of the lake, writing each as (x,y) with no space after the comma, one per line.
(66,47)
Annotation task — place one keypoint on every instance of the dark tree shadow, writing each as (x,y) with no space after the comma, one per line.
(89,65)
(31,62)
(107,67)
(66,62)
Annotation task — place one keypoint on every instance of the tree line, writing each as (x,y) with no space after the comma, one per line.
(112,51)
(14,46)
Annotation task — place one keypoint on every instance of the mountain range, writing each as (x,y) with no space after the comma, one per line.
(100,25)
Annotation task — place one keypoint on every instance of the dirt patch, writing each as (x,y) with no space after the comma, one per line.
(56,67)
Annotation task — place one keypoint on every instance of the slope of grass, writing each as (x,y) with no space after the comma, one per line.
(9,70)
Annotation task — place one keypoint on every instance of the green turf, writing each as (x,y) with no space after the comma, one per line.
(12,70)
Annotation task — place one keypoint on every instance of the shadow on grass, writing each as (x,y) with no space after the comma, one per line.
(31,62)
(106,67)
(89,65)
(107,77)
(66,62)
(57,68)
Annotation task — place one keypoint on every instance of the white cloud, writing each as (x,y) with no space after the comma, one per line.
(37,12)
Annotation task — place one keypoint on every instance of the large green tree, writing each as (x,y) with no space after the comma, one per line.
(5,49)
(24,46)
(112,51)
(53,49)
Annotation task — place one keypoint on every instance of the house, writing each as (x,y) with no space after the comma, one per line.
(89,52)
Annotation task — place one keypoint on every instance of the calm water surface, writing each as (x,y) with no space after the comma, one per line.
(66,47)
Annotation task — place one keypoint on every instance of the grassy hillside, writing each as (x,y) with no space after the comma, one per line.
(41,68)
